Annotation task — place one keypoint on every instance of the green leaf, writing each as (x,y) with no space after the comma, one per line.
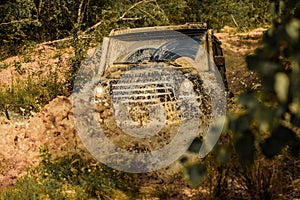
(223,154)
(262,65)
(195,174)
(244,145)
(271,147)
(279,138)
(281,86)
(241,124)
(264,117)
(248,100)
(293,29)
(195,146)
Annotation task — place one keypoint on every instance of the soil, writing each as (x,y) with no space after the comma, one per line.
(53,127)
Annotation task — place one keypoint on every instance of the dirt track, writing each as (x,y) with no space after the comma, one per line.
(53,126)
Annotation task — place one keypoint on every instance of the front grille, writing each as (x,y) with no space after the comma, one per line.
(146,86)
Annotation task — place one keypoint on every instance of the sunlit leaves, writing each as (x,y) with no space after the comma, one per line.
(242,14)
(223,154)
(195,173)
(293,29)
(281,86)
(275,110)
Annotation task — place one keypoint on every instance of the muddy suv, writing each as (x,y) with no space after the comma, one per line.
(155,77)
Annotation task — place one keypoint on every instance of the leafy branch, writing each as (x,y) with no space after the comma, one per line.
(85,34)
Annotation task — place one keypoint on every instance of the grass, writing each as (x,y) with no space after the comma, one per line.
(72,177)
(31,89)
(29,95)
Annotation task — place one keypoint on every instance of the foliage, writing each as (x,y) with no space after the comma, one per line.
(29,95)
(244,15)
(272,114)
(227,179)
(82,23)
(80,47)
(195,173)
(72,177)
(269,124)
(38,90)
(24,22)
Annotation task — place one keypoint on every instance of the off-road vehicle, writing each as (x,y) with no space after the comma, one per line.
(152,79)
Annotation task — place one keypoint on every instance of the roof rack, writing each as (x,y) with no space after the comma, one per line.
(192,25)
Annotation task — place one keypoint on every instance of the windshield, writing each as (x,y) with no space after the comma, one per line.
(166,45)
